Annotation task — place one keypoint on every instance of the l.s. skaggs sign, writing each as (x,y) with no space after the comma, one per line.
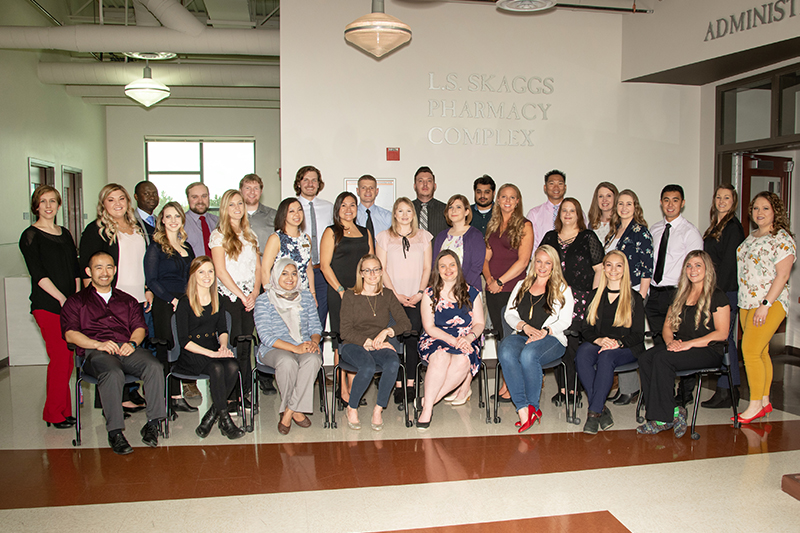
(776,11)
(515,102)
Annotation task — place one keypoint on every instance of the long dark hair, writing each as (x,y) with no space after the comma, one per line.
(338,227)
(715,229)
(460,289)
(283,211)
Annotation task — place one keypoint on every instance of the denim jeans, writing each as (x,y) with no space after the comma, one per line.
(367,362)
(596,371)
(522,366)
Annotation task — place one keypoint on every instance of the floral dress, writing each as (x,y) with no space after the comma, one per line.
(637,245)
(298,250)
(455,321)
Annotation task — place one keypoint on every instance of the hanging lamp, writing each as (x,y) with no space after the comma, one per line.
(377,33)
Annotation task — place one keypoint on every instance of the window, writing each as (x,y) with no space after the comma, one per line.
(173,164)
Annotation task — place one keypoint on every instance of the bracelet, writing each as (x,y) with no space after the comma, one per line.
(339,289)
(132,343)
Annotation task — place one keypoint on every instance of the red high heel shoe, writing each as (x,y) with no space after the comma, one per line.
(538,413)
(768,408)
(759,414)
(533,416)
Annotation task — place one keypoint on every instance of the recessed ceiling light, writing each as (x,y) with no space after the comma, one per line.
(525,6)
(151,56)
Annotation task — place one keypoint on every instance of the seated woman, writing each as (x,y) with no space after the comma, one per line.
(203,337)
(367,310)
(695,332)
(288,326)
(539,310)
(613,335)
(452,315)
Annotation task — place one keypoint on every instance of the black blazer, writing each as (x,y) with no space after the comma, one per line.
(92,241)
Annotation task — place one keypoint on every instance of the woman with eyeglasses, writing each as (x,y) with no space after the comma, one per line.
(372,314)
(405,250)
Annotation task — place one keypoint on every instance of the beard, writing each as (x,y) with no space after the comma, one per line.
(483,204)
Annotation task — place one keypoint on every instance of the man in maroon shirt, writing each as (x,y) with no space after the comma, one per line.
(107,325)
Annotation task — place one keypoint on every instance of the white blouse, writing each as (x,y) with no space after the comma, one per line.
(242,269)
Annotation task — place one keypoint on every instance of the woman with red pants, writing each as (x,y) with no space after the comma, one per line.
(52,261)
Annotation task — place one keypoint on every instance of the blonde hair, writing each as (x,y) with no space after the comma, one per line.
(395,224)
(624,315)
(516,224)
(555,283)
(108,227)
(594,210)
(160,235)
(191,287)
(230,239)
(703,305)
(359,287)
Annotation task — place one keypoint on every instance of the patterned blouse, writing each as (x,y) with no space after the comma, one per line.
(578,259)
(298,250)
(242,269)
(756,259)
(637,245)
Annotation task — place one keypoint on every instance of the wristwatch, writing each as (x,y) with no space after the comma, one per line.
(766,303)
(548,330)
(132,343)
(339,289)
(499,282)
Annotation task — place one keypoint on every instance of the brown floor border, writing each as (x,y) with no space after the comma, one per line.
(597,522)
(41,478)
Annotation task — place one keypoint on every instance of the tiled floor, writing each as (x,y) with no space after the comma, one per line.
(460,472)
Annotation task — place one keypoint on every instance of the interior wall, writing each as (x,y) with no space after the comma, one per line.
(128,127)
(676,34)
(43,122)
(342,108)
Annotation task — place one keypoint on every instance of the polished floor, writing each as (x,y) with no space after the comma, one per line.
(461,475)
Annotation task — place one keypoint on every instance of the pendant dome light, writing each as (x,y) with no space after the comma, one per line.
(146,90)
(377,33)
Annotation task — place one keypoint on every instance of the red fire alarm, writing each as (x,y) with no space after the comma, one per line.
(393,154)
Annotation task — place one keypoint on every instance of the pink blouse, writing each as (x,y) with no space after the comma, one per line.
(405,271)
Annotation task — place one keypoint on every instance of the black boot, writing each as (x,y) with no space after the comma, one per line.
(207,423)
(228,428)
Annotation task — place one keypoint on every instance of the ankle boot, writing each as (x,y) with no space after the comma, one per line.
(207,423)
(228,428)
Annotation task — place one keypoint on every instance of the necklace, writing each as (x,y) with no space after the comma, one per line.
(530,312)
(373,308)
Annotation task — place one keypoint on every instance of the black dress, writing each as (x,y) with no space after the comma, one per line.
(204,330)
(344,263)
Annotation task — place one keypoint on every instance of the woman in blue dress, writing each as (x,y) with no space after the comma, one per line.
(633,239)
(289,240)
(452,318)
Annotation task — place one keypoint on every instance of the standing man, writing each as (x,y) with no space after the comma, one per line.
(673,238)
(430,211)
(373,217)
(483,188)
(146,195)
(543,217)
(261,217)
(199,222)
(107,326)
(318,216)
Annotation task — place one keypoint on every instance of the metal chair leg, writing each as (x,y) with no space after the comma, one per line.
(736,422)
(335,402)
(405,396)
(571,416)
(77,440)
(417,397)
(696,435)
(639,404)
(497,374)
(323,391)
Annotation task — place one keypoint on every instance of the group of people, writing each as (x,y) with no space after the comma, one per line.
(414,284)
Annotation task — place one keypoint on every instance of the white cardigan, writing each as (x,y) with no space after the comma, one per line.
(560,320)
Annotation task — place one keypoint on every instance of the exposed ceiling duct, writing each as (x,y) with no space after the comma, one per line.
(96,73)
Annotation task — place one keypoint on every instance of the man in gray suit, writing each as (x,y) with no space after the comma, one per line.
(261,217)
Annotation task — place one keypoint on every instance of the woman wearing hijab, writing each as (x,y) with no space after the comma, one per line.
(288,326)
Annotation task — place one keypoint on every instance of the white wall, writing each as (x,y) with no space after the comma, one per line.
(128,126)
(341,108)
(675,35)
(43,122)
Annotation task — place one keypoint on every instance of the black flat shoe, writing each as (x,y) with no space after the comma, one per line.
(133,409)
(207,423)
(558,399)
(119,444)
(625,399)
(180,404)
(149,434)
(502,399)
(398,396)
(71,419)
(613,396)
(267,387)
(135,397)
(720,400)
(65,424)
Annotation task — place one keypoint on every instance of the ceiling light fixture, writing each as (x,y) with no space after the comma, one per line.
(377,33)
(146,90)
(525,6)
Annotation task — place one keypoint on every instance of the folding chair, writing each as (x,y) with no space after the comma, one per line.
(482,384)
(498,369)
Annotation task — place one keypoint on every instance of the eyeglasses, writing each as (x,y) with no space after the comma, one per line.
(366,271)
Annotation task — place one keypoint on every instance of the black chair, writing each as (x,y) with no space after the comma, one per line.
(268,370)
(172,357)
(81,376)
(482,384)
(498,369)
(343,365)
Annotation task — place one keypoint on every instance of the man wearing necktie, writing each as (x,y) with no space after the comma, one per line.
(319,215)
(370,215)
(146,195)
(430,211)
(673,238)
(199,222)
(543,217)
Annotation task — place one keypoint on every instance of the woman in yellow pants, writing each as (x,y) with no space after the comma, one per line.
(764,262)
